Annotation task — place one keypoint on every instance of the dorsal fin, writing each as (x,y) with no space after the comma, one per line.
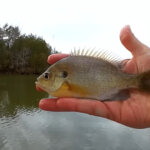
(103,54)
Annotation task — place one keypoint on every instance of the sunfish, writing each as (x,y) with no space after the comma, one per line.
(91,75)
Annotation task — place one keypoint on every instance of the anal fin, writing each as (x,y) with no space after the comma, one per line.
(116,95)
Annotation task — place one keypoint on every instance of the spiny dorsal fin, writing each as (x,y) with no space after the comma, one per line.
(103,54)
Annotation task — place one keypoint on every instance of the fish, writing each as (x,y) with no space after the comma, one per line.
(91,75)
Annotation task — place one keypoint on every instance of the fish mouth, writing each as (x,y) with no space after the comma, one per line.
(40,86)
(36,82)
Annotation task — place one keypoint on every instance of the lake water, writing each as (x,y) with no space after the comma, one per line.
(23,126)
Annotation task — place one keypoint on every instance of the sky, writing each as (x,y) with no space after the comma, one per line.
(69,24)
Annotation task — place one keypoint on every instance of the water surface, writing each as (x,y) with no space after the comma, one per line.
(23,126)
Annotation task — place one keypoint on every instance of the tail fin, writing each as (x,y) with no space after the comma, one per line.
(144,79)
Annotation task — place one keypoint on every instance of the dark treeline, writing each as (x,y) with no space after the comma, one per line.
(20,53)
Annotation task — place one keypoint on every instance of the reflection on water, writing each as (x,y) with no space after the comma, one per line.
(24,127)
(17,92)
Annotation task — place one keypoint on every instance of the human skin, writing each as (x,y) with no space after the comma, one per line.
(133,112)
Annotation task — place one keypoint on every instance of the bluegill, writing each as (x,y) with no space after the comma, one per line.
(91,75)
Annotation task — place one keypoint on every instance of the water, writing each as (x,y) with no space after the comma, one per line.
(23,126)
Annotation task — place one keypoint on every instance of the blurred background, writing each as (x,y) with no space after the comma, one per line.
(30,30)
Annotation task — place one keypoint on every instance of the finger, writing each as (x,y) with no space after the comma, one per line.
(123,63)
(131,42)
(93,107)
(49,104)
(38,88)
(129,66)
(55,57)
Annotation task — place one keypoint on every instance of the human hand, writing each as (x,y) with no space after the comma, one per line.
(133,112)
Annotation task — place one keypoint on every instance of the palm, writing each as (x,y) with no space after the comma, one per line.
(133,112)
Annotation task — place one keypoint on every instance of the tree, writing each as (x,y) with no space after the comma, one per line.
(29,54)
(4,56)
(10,34)
(22,53)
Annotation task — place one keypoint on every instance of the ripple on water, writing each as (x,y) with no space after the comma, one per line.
(3,142)
(8,121)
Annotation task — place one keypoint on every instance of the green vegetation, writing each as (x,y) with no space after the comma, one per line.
(22,54)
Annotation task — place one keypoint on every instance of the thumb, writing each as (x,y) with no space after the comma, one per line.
(131,42)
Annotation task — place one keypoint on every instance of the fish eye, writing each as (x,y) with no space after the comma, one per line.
(46,75)
(64,74)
